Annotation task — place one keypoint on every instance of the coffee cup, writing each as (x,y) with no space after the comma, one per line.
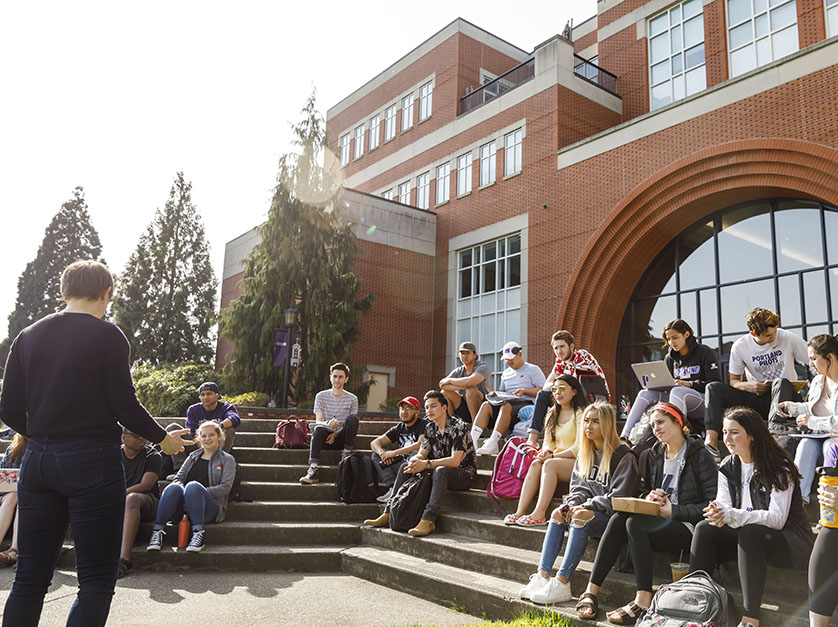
(679,570)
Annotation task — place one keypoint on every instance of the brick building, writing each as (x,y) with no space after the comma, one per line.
(664,159)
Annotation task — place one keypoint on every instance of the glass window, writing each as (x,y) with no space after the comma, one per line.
(423,188)
(359,142)
(407,112)
(676,53)
(443,183)
(738,300)
(814,296)
(404,193)
(513,152)
(790,310)
(759,33)
(375,123)
(831,18)
(463,174)
(797,248)
(426,96)
(390,123)
(487,163)
(344,150)
(745,244)
(388,194)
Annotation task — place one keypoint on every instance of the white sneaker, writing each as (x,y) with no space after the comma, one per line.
(490,447)
(536,584)
(554,592)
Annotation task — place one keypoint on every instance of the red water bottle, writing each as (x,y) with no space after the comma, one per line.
(183,532)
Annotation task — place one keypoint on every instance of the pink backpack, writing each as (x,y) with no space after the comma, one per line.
(511,466)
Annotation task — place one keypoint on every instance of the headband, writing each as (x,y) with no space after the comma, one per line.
(671,411)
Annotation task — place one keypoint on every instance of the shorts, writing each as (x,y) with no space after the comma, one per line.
(463,412)
(148,510)
(516,406)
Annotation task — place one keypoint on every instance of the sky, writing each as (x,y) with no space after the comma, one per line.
(117,97)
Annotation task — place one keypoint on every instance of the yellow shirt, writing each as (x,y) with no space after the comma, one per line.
(565,436)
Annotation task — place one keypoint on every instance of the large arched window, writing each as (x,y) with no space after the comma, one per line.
(780,254)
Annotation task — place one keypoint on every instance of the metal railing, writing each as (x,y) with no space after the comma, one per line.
(502,84)
(595,74)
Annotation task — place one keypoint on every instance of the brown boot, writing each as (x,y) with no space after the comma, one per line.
(423,528)
(381,521)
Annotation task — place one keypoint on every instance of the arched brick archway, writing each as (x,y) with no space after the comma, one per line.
(668,202)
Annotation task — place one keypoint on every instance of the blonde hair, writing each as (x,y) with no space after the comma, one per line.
(610,440)
(214,425)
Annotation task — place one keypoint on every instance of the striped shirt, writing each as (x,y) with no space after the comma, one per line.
(336,407)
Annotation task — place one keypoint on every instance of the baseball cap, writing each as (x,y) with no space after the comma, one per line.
(410,400)
(209,385)
(510,349)
(467,346)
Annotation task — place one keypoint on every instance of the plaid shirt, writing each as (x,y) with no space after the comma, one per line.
(581,360)
(454,438)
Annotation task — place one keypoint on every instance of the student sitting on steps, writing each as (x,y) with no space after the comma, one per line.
(407,435)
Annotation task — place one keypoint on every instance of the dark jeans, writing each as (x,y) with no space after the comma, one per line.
(75,482)
(344,440)
(387,472)
(543,400)
(823,573)
(444,479)
(201,507)
(644,533)
(754,546)
(720,396)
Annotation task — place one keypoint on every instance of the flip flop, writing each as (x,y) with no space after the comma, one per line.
(528,521)
(587,601)
(626,615)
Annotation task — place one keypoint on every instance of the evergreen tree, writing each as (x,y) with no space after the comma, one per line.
(69,237)
(165,303)
(303,259)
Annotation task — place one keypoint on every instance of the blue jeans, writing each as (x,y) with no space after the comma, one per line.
(809,452)
(201,507)
(577,540)
(75,482)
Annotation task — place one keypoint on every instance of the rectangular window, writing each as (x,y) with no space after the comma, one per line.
(426,97)
(512,151)
(390,123)
(760,32)
(463,174)
(407,112)
(375,123)
(676,53)
(344,150)
(404,193)
(388,194)
(489,297)
(831,18)
(443,183)
(359,142)
(423,190)
(487,163)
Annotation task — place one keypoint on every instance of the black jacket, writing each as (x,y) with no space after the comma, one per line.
(699,366)
(797,531)
(697,479)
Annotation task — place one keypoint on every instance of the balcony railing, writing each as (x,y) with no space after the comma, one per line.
(502,84)
(595,74)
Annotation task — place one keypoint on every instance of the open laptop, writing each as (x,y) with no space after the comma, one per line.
(653,375)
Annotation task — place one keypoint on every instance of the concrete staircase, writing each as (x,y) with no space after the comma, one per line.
(473,561)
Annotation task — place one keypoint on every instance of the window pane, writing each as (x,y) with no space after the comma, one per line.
(831,222)
(513,298)
(660,277)
(650,317)
(709,312)
(693,31)
(489,251)
(514,244)
(657,25)
(698,267)
(678,86)
(661,96)
(784,42)
(659,47)
(790,301)
(761,25)
(676,43)
(760,6)
(783,16)
(833,292)
(742,60)
(465,283)
(691,7)
(677,65)
(489,277)
(514,270)
(694,56)
(675,15)
(745,244)
(738,10)
(696,80)
(814,296)
(487,332)
(689,310)
(764,51)
(465,258)
(797,234)
(741,35)
(738,300)
(513,325)
(660,72)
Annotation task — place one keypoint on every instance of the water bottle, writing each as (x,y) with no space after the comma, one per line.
(183,532)
(828,481)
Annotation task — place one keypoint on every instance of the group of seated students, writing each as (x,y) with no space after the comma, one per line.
(749,506)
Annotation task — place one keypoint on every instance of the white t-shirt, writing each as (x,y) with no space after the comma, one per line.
(767,362)
(336,407)
(527,376)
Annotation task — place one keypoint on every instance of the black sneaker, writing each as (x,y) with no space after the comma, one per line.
(312,476)
(197,542)
(156,541)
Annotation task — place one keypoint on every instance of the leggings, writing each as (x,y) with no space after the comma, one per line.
(755,546)
(690,402)
(823,573)
(645,533)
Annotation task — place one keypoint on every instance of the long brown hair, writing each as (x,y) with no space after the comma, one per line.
(577,402)
(17,448)
(772,465)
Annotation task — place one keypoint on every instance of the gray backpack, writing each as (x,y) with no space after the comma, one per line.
(694,600)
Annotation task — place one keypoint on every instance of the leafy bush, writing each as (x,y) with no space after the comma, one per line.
(391,404)
(249,399)
(169,389)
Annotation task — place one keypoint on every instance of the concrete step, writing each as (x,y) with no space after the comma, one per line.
(268,425)
(266,440)
(288,511)
(268,533)
(289,491)
(284,472)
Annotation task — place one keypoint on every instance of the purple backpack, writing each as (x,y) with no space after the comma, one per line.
(511,466)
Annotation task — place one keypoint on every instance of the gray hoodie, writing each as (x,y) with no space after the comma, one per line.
(222,472)
(595,493)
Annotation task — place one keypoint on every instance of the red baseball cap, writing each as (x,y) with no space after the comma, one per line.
(410,400)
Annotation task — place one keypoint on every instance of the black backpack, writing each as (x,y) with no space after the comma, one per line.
(407,505)
(694,600)
(357,480)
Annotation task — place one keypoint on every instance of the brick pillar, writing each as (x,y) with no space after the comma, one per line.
(715,43)
(811,25)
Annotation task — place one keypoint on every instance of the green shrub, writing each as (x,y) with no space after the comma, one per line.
(169,389)
(249,399)
(391,404)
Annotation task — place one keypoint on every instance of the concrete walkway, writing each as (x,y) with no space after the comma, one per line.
(251,599)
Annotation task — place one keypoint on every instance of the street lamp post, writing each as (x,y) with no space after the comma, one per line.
(290,318)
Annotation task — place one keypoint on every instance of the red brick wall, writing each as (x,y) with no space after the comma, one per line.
(626,56)
(715,42)
(811,24)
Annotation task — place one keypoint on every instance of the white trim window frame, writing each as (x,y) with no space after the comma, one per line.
(426,98)
(344,149)
(359,142)
(759,32)
(423,190)
(443,183)
(488,163)
(677,66)
(390,122)
(404,193)
(464,174)
(513,152)
(407,113)
(831,9)
(387,194)
(375,125)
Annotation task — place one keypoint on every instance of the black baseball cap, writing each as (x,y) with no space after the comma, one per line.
(209,385)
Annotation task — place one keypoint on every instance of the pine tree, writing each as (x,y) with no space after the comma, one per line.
(69,237)
(303,259)
(165,302)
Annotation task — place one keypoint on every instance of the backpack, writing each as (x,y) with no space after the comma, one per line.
(511,466)
(696,600)
(292,433)
(593,386)
(357,480)
(408,503)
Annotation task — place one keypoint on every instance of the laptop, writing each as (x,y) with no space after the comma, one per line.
(653,375)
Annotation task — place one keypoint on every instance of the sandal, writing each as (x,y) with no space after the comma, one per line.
(124,568)
(528,521)
(590,603)
(510,519)
(626,615)
(8,557)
